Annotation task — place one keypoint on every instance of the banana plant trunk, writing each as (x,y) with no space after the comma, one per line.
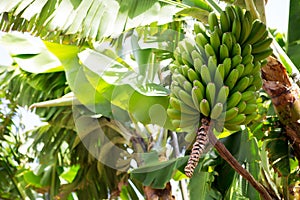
(285,99)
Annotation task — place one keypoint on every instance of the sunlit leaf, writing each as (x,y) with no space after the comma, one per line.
(197,13)
(125,88)
(198,3)
(30,53)
(89,19)
(6,59)
(70,174)
(32,179)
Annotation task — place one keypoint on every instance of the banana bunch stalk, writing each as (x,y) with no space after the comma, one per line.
(216,75)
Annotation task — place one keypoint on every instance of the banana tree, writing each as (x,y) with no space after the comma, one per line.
(110,79)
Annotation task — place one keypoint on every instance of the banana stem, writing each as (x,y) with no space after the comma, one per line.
(198,147)
(227,156)
(252,8)
(215,6)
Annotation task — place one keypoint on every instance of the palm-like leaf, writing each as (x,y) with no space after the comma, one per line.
(87,19)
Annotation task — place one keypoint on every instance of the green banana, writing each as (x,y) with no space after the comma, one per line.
(222,94)
(210,93)
(248,95)
(257,32)
(238,12)
(232,78)
(218,30)
(177,55)
(240,69)
(263,62)
(236,49)
(201,39)
(212,21)
(175,89)
(224,22)
(261,45)
(242,106)
(230,12)
(216,111)
(253,100)
(179,78)
(248,16)
(257,68)
(196,55)
(192,75)
(251,108)
(179,105)
(198,84)
(205,74)
(215,41)
(172,67)
(184,70)
(175,103)
(241,85)
(231,113)
(174,113)
(197,65)
(227,40)
(205,107)
(257,81)
(248,59)
(224,52)
(181,47)
(234,99)
(189,44)
(248,69)
(236,28)
(209,51)
(219,76)
(199,28)
(232,127)
(186,98)
(246,29)
(246,50)
(227,66)
(251,78)
(236,60)
(197,96)
(262,55)
(187,86)
(239,119)
(186,59)
(212,65)
(221,71)
(250,118)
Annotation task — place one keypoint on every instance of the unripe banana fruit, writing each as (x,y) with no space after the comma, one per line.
(216,75)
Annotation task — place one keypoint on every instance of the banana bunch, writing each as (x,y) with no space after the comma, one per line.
(217,73)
